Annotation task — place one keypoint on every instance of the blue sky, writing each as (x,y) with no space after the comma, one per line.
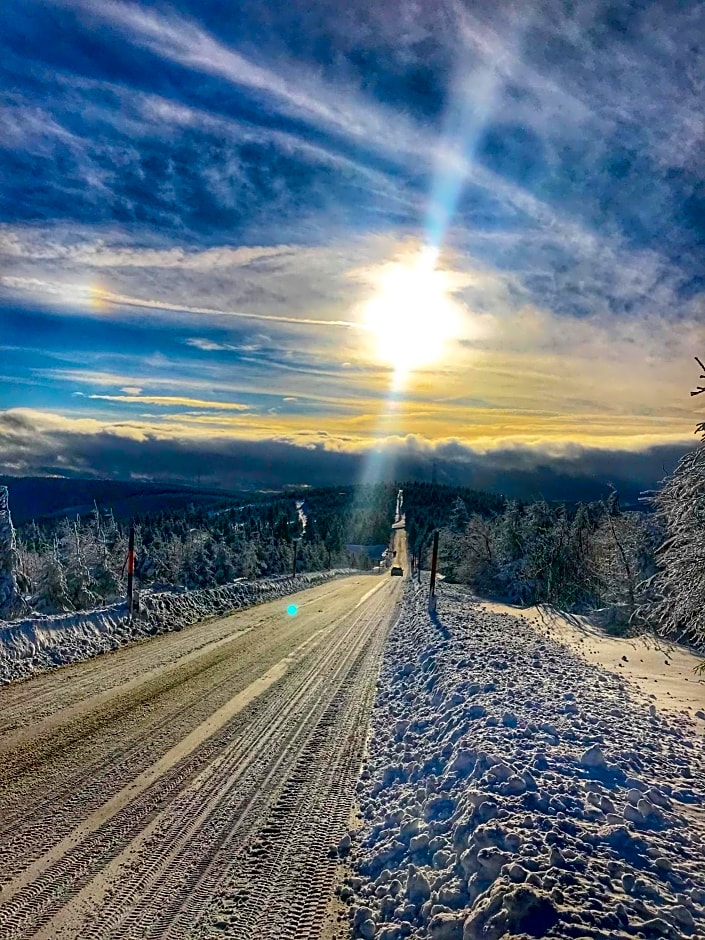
(199,202)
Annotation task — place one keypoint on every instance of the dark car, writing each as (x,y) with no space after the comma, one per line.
(397,572)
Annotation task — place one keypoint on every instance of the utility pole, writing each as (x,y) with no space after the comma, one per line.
(130,569)
(434,565)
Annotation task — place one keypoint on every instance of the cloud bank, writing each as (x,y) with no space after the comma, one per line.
(40,444)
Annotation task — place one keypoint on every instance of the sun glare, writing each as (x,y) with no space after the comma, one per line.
(411,315)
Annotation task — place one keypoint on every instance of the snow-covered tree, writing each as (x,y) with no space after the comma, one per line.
(622,549)
(675,593)
(10,598)
(223,567)
(459,516)
(478,554)
(52,594)
(510,553)
(248,562)
(79,583)
(104,552)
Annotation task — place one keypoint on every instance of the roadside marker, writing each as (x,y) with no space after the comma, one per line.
(434,564)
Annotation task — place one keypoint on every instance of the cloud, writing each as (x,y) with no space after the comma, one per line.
(37,443)
(516,368)
(170,401)
(297,94)
(170,193)
(207,345)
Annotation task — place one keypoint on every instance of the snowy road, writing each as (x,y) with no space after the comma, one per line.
(192,786)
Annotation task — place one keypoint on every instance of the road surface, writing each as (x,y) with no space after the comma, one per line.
(192,786)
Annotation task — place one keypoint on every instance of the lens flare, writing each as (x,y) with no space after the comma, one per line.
(98,298)
(292,610)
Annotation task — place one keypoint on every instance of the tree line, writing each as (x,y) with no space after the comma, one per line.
(79,563)
(593,556)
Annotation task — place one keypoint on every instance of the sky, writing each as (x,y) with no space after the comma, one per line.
(309,242)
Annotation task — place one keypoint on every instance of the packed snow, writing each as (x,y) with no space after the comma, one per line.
(512,789)
(37,643)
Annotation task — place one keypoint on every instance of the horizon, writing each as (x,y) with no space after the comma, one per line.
(302,249)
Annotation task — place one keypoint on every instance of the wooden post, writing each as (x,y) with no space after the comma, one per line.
(130,569)
(296,545)
(434,564)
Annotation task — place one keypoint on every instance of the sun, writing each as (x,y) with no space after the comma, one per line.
(411,315)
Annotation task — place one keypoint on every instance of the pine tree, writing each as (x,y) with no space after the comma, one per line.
(52,594)
(223,567)
(98,541)
(459,516)
(79,584)
(248,562)
(675,594)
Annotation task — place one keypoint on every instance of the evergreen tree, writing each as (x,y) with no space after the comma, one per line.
(223,567)
(51,596)
(675,593)
(79,583)
(248,561)
(459,516)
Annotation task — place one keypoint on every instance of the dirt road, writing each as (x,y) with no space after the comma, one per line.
(192,786)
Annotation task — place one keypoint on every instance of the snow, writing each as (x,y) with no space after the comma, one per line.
(37,643)
(512,788)
(301,513)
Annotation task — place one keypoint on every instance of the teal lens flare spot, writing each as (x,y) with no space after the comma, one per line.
(292,610)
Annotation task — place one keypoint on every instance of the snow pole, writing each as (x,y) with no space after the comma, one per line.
(130,569)
(434,564)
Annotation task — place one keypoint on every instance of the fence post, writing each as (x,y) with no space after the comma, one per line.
(434,565)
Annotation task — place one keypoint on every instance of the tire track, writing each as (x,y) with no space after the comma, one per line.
(149,723)
(156,866)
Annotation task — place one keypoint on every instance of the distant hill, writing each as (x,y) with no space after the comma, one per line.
(41,498)
(366,510)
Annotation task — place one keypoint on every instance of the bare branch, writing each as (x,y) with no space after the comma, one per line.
(700,389)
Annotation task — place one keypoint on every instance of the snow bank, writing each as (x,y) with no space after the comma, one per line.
(512,789)
(41,642)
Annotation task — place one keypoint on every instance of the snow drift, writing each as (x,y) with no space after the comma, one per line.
(38,642)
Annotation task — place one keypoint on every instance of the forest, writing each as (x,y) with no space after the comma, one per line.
(67,564)
(586,558)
